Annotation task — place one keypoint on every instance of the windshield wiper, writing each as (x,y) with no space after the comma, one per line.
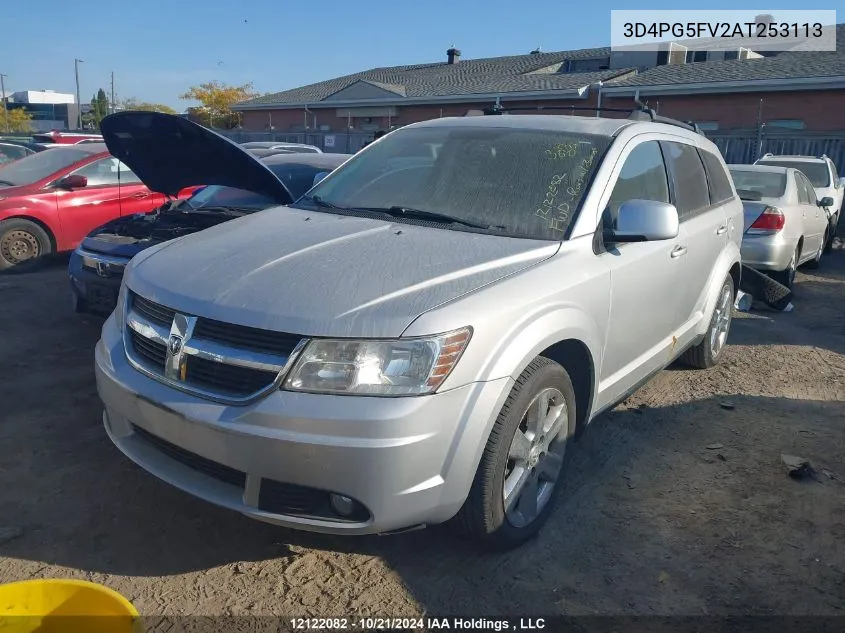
(221,208)
(419,214)
(317,200)
(7,183)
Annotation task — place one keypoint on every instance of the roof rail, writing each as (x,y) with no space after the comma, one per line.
(637,114)
(647,114)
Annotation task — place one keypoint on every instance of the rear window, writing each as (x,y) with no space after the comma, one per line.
(39,166)
(817,173)
(768,184)
(519,182)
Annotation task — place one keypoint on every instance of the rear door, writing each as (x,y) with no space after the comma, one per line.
(703,230)
(815,218)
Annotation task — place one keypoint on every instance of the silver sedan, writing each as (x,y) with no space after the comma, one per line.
(784,222)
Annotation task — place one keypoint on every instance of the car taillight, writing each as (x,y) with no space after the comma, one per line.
(771,220)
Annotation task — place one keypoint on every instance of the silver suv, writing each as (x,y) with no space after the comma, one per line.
(421,336)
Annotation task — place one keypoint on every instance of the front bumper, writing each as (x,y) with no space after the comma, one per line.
(408,461)
(93,292)
(768,252)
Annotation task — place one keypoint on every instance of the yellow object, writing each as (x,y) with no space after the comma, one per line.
(65,606)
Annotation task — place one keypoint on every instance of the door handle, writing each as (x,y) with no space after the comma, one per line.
(678,251)
(722,229)
(140,194)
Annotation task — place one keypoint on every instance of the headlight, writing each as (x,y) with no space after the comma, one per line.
(396,367)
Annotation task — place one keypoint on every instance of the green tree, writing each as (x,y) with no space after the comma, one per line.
(99,107)
(131,103)
(216,100)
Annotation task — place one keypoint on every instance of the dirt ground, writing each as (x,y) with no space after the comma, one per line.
(677,501)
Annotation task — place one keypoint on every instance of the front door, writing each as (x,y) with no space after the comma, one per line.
(646,279)
(112,190)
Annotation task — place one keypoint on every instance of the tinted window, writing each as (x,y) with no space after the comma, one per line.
(818,173)
(769,184)
(107,172)
(41,165)
(643,177)
(720,184)
(691,191)
(528,182)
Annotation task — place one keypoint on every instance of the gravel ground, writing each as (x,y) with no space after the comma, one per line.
(677,501)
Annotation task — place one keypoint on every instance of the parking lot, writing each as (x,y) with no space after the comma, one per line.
(677,501)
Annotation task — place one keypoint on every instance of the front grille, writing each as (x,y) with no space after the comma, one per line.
(209,374)
(193,461)
(153,311)
(228,376)
(152,351)
(246,337)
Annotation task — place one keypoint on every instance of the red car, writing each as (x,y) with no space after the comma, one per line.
(66,138)
(51,200)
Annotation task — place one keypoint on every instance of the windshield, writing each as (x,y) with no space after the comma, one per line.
(768,184)
(817,173)
(39,166)
(525,182)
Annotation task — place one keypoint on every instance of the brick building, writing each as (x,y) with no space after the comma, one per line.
(725,90)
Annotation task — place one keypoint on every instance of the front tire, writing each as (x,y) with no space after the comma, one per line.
(709,351)
(518,479)
(834,232)
(22,241)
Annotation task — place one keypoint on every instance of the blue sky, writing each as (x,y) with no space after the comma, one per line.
(157,48)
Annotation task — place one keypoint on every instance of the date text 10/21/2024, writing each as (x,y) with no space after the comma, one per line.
(416,624)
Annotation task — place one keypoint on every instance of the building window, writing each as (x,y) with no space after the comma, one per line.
(704,126)
(792,124)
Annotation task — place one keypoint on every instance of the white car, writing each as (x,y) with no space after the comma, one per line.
(785,225)
(826,181)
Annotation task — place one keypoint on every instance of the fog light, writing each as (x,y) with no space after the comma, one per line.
(344,506)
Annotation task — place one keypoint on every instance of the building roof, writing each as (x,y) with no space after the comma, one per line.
(535,72)
(539,74)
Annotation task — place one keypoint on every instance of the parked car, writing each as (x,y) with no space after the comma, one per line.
(96,267)
(11,150)
(293,147)
(785,226)
(821,171)
(65,138)
(50,200)
(402,347)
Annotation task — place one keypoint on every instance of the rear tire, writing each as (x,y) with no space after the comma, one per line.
(529,446)
(709,351)
(22,242)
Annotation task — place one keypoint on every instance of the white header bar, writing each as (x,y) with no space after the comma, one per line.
(717,30)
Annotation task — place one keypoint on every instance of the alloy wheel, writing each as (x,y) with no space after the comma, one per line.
(535,458)
(721,322)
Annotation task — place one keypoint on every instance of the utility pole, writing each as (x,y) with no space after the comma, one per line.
(76,63)
(5,108)
(111,103)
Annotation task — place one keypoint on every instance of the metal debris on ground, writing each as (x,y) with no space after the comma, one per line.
(714,447)
(727,405)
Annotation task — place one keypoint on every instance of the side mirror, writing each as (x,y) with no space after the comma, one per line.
(319,177)
(74,181)
(827,201)
(645,221)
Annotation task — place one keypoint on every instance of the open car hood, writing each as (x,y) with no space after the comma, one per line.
(169,153)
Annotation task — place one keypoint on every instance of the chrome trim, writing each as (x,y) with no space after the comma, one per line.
(119,262)
(180,344)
